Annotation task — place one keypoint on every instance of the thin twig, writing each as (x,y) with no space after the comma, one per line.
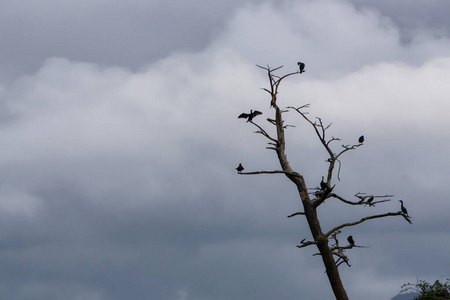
(296,214)
(270,172)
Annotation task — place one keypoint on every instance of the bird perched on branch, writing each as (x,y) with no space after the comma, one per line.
(404,210)
(323,185)
(361,139)
(301,67)
(250,116)
(370,201)
(351,241)
(240,168)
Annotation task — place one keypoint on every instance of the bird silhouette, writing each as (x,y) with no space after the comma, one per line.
(370,201)
(301,67)
(361,139)
(323,185)
(404,210)
(240,168)
(351,241)
(250,116)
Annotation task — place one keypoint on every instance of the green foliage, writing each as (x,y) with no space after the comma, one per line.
(428,291)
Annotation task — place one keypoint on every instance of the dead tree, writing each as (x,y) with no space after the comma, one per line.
(333,254)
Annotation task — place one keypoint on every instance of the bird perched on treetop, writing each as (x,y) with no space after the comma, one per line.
(250,116)
(240,168)
(301,67)
(361,139)
(351,241)
(404,210)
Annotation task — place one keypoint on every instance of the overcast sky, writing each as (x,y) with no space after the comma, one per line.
(119,141)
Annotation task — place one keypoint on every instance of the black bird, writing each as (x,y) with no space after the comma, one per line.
(351,241)
(404,210)
(318,194)
(361,139)
(407,219)
(370,201)
(240,168)
(323,185)
(250,116)
(301,66)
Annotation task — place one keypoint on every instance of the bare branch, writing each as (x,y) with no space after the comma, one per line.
(270,172)
(283,77)
(323,195)
(263,132)
(390,214)
(342,259)
(266,90)
(333,139)
(306,244)
(320,134)
(362,196)
(361,202)
(296,214)
(407,218)
(286,126)
(339,169)
(348,148)
(268,68)
(275,82)
(272,121)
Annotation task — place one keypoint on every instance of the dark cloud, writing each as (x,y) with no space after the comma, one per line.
(130,34)
(429,17)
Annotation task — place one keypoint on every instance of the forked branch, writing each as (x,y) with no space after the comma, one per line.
(306,244)
(370,199)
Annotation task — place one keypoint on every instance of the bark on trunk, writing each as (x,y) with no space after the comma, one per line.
(310,213)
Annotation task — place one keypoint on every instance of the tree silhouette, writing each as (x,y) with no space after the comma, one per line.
(326,241)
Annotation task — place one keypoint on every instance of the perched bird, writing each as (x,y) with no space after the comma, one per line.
(240,168)
(323,185)
(301,67)
(361,139)
(404,210)
(351,241)
(370,201)
(250,116)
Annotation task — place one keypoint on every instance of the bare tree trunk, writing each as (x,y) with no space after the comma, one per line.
(325,252)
